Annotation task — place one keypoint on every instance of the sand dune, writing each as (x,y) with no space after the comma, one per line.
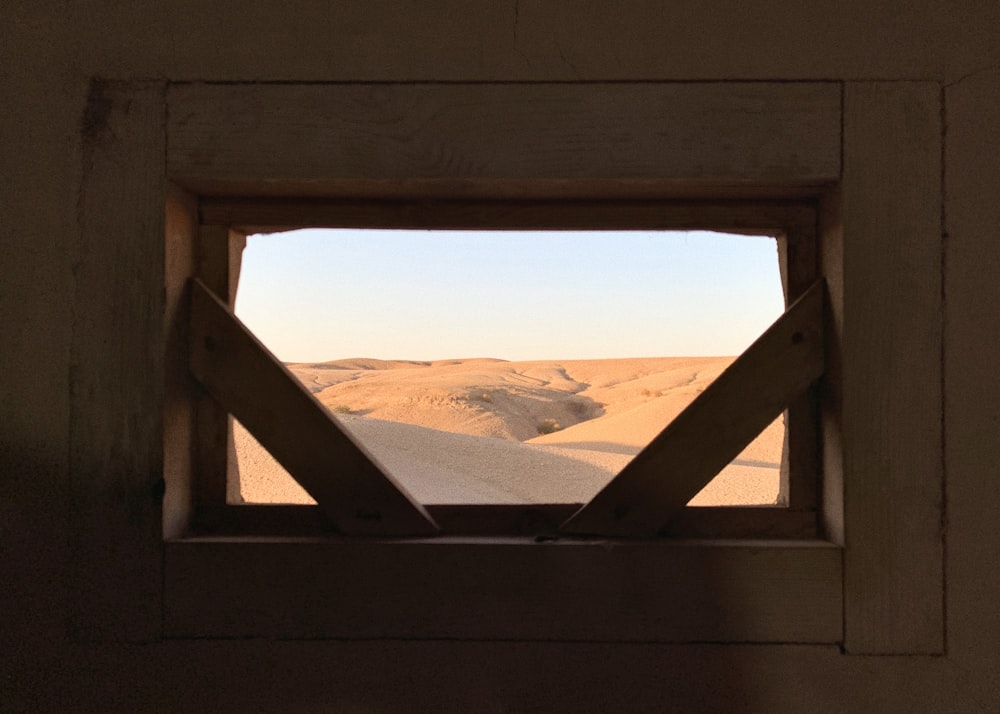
(493,431)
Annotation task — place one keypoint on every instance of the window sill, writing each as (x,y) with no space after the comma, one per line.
(504,588)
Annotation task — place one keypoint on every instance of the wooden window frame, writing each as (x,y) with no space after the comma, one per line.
(866,155)
(221,237)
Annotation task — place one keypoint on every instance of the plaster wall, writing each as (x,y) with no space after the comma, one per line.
(48,54)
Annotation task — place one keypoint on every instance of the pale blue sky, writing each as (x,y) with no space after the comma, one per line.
(315,295)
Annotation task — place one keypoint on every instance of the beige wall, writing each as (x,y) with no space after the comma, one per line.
(49,52)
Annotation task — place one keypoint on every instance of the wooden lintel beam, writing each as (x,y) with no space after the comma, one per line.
(352,490)
(622,213)
(655,486)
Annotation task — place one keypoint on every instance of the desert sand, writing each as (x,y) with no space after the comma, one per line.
(493,431)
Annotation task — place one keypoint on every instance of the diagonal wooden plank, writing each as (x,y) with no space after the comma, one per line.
(237,370)
(654,487)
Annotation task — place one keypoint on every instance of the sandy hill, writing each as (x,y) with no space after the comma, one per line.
(493,431)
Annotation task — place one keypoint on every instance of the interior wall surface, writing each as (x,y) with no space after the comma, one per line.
(49,54)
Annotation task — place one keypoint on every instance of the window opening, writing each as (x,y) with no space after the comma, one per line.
(509,367)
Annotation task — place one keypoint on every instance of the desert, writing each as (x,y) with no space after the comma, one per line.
(491,431)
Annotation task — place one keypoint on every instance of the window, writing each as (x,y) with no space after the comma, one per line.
(862,158)
(510,367)
(794,223)
(792,587)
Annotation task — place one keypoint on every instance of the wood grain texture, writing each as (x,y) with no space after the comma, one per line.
(801,469)
(698,522)
(236,138)
(831,392)
(180,396)
(972,339)
(353,491)
(117,367)
(504,589)
(655,486)
(534,40)
(219,257)
(891,353)
(264,215)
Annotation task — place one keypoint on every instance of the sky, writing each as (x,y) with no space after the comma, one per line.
(319,294)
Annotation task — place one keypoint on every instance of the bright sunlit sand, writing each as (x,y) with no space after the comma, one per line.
(491,431)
